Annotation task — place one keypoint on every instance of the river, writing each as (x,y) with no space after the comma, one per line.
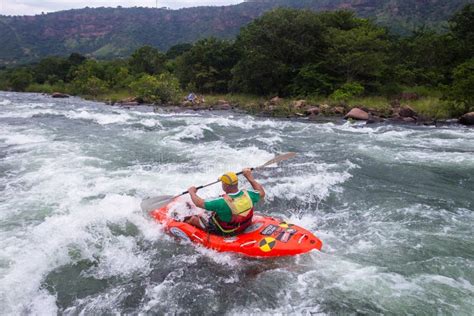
(393,205)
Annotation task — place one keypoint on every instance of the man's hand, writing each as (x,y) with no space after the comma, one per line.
(195,198)
(247,172)
(192,190)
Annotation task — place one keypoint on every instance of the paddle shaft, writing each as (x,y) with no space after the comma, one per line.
(209,184)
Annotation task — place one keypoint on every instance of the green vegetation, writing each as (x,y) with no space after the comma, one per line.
(334,58)
(107,33)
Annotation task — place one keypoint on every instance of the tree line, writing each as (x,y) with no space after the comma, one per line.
(286,52)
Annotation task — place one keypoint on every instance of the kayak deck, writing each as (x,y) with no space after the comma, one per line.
(265,237)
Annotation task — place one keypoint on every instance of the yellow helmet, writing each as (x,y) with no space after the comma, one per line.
(229,178)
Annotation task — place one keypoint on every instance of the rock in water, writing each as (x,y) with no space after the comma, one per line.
(406,111)
(357,114)
(467,119)
(59,95)
(312,111)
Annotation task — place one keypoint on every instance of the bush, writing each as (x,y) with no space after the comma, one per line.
(347,91)
(89,86)
(20,79)
(461,93)
(161,89)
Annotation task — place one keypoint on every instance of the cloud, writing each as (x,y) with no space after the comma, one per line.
(30,7)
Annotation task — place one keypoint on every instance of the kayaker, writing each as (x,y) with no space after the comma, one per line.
(233,211)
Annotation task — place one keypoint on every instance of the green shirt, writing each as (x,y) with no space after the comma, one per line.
(220,207)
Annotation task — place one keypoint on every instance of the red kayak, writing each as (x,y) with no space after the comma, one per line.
(265,237)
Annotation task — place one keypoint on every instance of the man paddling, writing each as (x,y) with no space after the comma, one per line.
(233,211)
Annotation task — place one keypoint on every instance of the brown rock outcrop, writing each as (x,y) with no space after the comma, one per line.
(357,114)
(467,119)
(406,111)
(312,111)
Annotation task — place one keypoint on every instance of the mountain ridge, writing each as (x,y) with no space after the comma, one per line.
(115,32)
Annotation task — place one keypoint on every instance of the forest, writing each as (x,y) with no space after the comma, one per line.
(290,53)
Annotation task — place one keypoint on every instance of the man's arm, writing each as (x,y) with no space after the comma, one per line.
(195,198)
(255,185)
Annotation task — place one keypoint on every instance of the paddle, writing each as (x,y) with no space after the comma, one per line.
(157,202)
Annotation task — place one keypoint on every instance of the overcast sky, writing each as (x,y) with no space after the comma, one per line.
(30,7)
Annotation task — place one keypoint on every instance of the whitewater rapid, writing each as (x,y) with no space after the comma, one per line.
(393,206)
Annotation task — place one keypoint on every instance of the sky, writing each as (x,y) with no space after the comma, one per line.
(31,7)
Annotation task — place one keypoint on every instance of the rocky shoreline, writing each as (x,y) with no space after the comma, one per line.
(301,109)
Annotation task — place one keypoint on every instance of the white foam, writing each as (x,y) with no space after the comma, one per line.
(307,186)
(22,139)
(99,118)
(191,132)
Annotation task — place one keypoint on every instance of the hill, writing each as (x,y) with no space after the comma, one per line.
(116,32)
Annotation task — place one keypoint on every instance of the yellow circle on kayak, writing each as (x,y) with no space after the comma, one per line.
(267,244)
(285,225)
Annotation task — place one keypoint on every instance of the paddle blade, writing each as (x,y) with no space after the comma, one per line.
(156,202)
(278,159)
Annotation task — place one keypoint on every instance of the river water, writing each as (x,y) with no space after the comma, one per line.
(393,205)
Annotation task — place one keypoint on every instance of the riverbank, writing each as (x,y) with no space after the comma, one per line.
(406,108)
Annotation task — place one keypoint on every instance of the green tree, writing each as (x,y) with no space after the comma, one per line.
(461,92)
(312,80)
(462,27)
(275,47)
(178,50)
(347,91)
(51,70)
(152,89)
(207,65)
(90,86)
(358,54)
(424,58)
(20,79)
(89,78)
(147,60)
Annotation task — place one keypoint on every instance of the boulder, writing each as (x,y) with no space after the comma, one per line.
(222,102)
(128,101)
(374,119)
(59,95)
(467,119)
(299,104)
(275,100)
(409,120)
(338,110)
(357,114)
(222,106)
(186,104)
(131,103)
(406,111)
(324,108)
(200,107)
(312,111)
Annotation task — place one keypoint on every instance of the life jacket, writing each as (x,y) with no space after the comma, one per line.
(242,213)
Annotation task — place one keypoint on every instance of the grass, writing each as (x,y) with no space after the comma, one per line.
(431,107)
(429,104)
(113,96)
